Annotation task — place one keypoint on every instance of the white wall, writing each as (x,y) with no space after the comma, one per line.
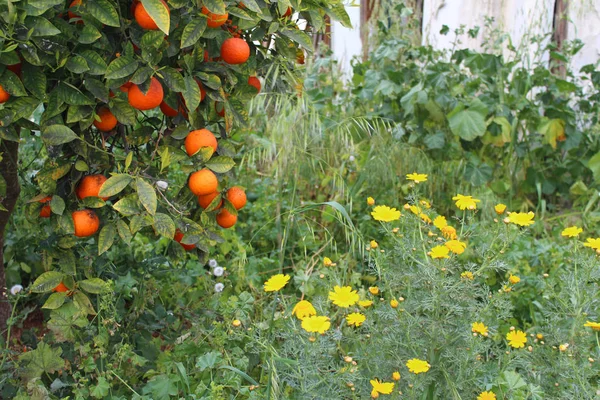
(584,17)
(345,42)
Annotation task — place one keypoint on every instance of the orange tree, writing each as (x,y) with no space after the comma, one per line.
(123,91)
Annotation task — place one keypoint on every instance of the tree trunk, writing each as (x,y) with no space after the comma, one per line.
(9,170)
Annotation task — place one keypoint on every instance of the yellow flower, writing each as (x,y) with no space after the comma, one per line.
(522,219)
(316,324)
(394,303)
(417,366)
(572,231)
(439,252)
(304,309)
(465,202)
(370,201)
(594,325)
(563,347)
(276,283)
(414,209)
(381,387)
(456,246)
(396,375)
(365,303)
(514,279)
(343,296)
(374,244)
(355,319)
(425,218)
(385,214)
(236,323)
(374,290)
(328,263)
(516,339)
(486,396)
(467,275)
(425,204)
(440,222)
(500,208)
(593,243)
(449,232)
(479,327)
(417,178)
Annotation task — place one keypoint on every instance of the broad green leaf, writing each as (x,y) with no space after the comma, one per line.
(173,79)
(208,360)
(121,67)
(594,165)
(57,205)
(102,388)
(55,135)
(73,96)
(83,303)
(12,84)
(55,301)
(128,205)
(147,195)
(114,185)
(164,225)
(220,164)
(106,238)
(43,360)
(215,6)
(89,34)
(81,165)
(193,32)
(60,171)
(466,123)
(159,14)
(64,320)
(41,26)
(77,65)
(95,61)
(553,130)
(124,231)
(97,88)
(103,11)
(35,81)
(252,5)
(191,94)
(337,11)
(123,111)
(141,75)
(93,202)
(46,282)
(165,158)
(299,37)
(139,221)
(93,285)
(478,174)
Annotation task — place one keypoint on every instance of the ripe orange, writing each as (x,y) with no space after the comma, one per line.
(214,20)
(107,120)
(225,219)
(197,139)
(254,81)
(85,222)
(203,182)
(206,199)
(61,287)
(288,12)
(4,96)
(125,87)
(237,196)
(178,236)
(46,211)
(148,101)
(167,110)
(90,186)
(143,18)
(202,91)
(71,14)
(235,51)
(16,68)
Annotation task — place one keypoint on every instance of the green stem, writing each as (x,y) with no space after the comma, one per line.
(10,324)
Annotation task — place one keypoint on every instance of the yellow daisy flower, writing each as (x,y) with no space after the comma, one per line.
(370,201)
(304,309)
(593,243)
(514,279)
(425,204)
(316,324)
(417,178)
(381,387)
(385,214)
(425,218)
(467,275)
(440,222)
(355,319)
(439,252)
(394,303)
(500,208)
(449,232)
(572,231)
(365,303)
(465,202)
(276,283)
(343,296)
(486,396)
(479,327)
(516,339)
(374,244)
(414,209)
(594,325)
(328,263)
(374,290)
(396,375)
(521,219)
(456,246)
(417,366)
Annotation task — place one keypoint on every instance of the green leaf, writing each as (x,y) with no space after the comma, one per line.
(93,285)
(114,185)
(83,303)
(191,94)
(93,202)
(124,231)
(467,124)
(141,75)
(594,165)
(220,164)
(55,300)
(337,11)
(193,32)
(43,360)
(35,80)
(47,281)
(41,26)
(106,238)
(164,225)
(121,67)
(73,96)
(161,387)
(553,130)
(215,6)
(252,5)
(159,14)
(77,65)
(173,79)
(127,206)
(89,34)
(103,11)
(123,111)
(102,388)
(55,135)
(299,37)
(65,319)
(81,166)
(147,195)
(97,88)
(478,174)
(12,84)
(95,62)
(208,360)
(57,205)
